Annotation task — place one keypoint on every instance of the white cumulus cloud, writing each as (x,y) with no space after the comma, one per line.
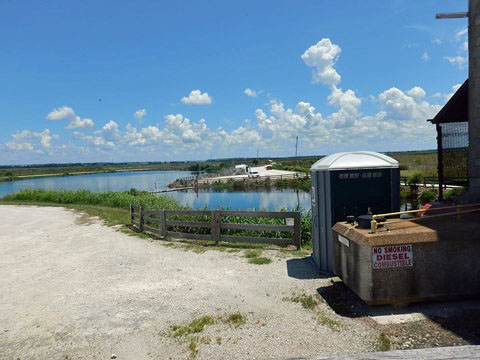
(196,97)
(322,57)
(80,123)
(67,113)
(456,60)
(109,131)
(425,56)
(31,140)
(140,114)
(61,113)
(250,92)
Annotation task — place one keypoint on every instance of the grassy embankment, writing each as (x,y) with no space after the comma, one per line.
(231,185)
(113,208)
(11,173)
(411,163)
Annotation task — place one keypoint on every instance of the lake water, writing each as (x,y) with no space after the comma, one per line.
(148,180)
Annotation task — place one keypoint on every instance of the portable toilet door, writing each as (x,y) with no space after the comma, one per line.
(347,184)
(322,253)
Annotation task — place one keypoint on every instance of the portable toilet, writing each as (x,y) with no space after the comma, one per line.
(349,183)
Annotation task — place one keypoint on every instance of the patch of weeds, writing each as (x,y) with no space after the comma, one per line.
(204,339)
(193,347)
(296,253)
(251,254)
(331,323)
(384,343)
(195,326)
(259,261)
(168,244)
(236,319)
(195,248)
(307,301)
(219,340)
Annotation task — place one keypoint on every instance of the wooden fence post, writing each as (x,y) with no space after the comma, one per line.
(215,226)
(297,235)
(131,214)
(163,224)
(141,221)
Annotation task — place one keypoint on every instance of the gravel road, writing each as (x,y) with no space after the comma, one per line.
(72,288)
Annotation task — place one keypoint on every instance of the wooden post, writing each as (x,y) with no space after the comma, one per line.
(141,221)
(215,226)
(297,235)
(163,224)
(440,161)
(131,213)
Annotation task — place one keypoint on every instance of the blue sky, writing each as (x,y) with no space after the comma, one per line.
(341,76)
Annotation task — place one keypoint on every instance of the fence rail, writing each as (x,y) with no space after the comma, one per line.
(432,181)
(159,223)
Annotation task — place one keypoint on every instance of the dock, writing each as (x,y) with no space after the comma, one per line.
(171,189)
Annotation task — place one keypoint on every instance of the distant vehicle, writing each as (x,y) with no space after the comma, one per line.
(269,167)
(253,174)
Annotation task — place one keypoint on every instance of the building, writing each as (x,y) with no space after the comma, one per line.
(241,169)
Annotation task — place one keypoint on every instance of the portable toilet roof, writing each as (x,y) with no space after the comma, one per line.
(355,160)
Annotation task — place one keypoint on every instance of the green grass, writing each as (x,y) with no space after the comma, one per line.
(190,333)
(236,319)
(195,326)
(260,261)
(424,163)
(192,346)
(85,197)
(329,322)
(384,343)
(308,302)
(254,257)
(251,254)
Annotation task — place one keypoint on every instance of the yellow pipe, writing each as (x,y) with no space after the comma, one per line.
(420,218)
(422,210)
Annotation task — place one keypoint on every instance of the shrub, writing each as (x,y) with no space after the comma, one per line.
(453,194)
(415,179)
(427,196)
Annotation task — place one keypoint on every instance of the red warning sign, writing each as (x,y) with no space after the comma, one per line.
(392,256)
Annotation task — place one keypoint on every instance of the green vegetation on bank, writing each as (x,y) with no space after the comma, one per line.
(85,197)
(232,185)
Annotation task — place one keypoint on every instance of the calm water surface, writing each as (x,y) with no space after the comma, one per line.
(259,200)
(148,180)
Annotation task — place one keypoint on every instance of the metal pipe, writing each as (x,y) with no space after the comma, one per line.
(429,217)
(422,210)
(374,223)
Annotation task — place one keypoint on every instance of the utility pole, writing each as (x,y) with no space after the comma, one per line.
(473,16)
(296,149)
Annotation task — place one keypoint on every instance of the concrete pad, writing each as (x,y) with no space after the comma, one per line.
(393,315)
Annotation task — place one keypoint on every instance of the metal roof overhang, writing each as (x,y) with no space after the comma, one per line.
(456,109)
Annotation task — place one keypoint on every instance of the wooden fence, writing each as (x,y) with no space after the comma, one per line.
(158,222)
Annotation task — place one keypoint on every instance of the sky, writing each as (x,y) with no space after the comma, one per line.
(115,80)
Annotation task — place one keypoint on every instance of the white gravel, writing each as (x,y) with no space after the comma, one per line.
(77,288)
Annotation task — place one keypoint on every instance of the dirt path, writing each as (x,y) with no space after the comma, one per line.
(73,288)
